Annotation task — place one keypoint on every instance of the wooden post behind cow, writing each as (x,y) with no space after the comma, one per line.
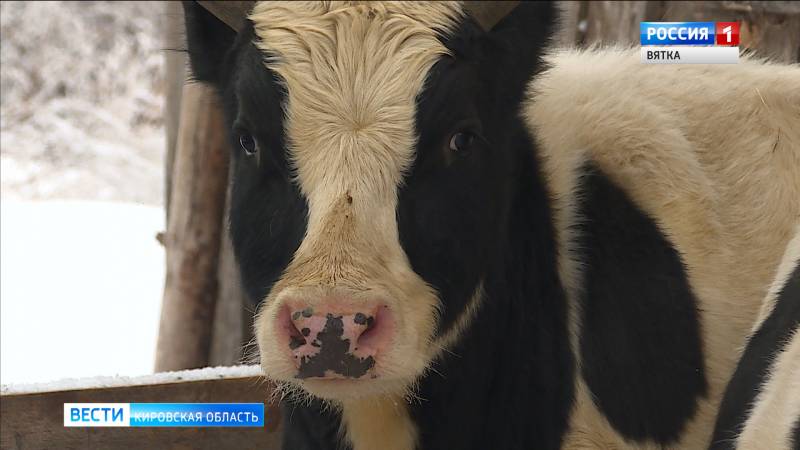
(175,75)
(193,234)
(614,22)
(232,319)
(230,328)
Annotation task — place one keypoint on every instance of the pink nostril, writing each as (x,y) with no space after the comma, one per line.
(296,337)
(291,330)
(368,337)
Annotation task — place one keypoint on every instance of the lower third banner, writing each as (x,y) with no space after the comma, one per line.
(163,414)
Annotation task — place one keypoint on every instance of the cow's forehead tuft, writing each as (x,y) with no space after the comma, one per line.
(352,73)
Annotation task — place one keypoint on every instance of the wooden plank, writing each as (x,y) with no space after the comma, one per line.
(35,421)
(194,232)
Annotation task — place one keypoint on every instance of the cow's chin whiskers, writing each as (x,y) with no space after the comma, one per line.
(396,380)
(354,390)
(337,391)
(291,392)
(286,391)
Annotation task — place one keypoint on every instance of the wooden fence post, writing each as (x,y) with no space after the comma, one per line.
(194,232)
(175,72)
(570,16)
(232,323)
(229,322)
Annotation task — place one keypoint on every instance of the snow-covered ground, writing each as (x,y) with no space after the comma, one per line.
(81,177)
(81,289)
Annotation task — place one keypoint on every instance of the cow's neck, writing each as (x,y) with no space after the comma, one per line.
(507,383)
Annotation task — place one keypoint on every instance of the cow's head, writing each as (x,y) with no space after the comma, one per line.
(372,171)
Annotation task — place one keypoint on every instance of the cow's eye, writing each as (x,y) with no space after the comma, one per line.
(461,142)
(248,143)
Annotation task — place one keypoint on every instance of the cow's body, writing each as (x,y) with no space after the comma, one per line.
(583,276)
(712,155)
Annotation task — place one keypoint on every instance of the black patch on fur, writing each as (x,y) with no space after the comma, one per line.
(268,215)
(334,354)
(753,369)
(796,434)
(508,382)
(450,207)
(485,215)
(641,349)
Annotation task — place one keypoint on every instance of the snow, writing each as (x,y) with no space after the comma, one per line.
(81,178)
(81,289)
(69,384)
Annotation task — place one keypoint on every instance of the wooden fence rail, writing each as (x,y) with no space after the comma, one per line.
(36,421)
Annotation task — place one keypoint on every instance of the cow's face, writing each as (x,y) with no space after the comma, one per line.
(370,186)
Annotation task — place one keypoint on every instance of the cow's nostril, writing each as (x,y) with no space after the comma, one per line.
(368,337)
(296,337)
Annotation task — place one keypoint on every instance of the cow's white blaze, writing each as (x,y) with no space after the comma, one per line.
(352,72)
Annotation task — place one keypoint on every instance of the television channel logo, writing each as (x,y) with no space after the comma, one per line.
(689,42)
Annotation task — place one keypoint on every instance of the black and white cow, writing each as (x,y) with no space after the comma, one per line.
(458,240)
(761,406)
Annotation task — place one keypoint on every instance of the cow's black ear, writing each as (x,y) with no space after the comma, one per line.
(514,45)
(208,40)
